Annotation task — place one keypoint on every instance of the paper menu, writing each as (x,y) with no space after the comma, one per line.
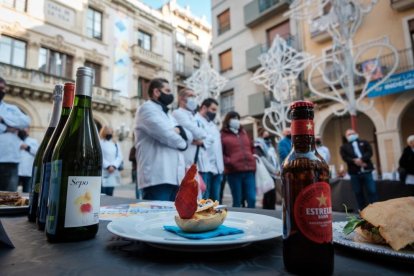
(125,210)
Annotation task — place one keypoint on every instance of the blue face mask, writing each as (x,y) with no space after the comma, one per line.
(352,137)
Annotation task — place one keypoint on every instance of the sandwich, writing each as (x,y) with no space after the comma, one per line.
(388,222)
(12,199)
(196,215)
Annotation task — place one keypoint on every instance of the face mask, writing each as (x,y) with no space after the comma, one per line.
(108,137)
(289,136)
(211,115)
(22,134)
(2,95)
(191,104)
(318,143)
(166,99)
(352,137)
(234,123)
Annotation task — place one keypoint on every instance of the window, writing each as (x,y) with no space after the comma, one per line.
(411,30)
(226,101)
(223,20)
(12,51)
(225,61)
(55,63)
(196,63)
(144,40)
(265,4)
(283,30)
(19,5)
(143,85)
(179,65)
(96,68)
(94,24)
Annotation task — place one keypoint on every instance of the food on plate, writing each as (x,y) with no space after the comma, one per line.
(196,216)
(12,199)
(388,222)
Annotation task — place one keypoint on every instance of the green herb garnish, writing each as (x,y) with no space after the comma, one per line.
(353,222)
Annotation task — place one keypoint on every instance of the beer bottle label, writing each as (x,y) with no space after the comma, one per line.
(302,127)
(313,212)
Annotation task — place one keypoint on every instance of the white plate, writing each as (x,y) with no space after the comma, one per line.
(149,228)
(347,240)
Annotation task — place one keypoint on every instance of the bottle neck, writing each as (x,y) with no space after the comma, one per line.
(303,135)
(84,85)
(56,112)
(82,101)
(66,111)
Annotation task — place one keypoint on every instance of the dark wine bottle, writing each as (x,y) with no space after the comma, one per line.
(76,171)
(307,206)
(37,163)
(67,103)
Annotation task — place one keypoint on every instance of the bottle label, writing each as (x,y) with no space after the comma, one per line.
(45,192)
(302,127)
(313,212)
(54,193)
(83,201)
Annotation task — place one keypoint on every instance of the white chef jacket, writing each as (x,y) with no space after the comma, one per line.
(158,147)
(10,147)
(111,156)
(186,119)
(13,116)
(27,157)
(205,157)
(216,151)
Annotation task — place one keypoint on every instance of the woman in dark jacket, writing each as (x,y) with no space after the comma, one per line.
(239,162)
(407,159)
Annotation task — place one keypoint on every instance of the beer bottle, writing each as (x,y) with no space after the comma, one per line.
(307,207)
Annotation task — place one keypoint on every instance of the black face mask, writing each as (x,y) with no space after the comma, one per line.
(289,136)
(211,115)
(108,137)
(318,143)
(22,134)
(166,99)
(2,95)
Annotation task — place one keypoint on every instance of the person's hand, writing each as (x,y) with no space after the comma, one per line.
(23,146)
(111,169)
(358,162)
(177,130)
(197,142)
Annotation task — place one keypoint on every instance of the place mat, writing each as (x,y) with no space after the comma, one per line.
(219,231)
(4,238)
(125,210)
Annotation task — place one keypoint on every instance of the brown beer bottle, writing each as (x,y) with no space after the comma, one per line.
(307,207)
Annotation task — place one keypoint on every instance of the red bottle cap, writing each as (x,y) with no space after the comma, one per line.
(301,104)
(68,94)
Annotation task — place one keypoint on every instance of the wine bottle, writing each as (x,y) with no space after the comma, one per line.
(68,94)
(76,171)
(307,206)
(37,163)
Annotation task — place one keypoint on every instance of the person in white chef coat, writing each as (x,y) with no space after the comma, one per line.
(28,152)
(160,143)
(112,161)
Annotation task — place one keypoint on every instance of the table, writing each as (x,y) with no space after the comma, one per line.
(387,189)
(110,255)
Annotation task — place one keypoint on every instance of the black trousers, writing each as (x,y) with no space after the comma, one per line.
(9,177)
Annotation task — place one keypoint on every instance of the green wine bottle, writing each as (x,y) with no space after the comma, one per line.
(76,171)
(37,163)
(67,103)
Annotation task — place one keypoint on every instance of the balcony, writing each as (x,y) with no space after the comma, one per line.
(258,11)
(186,43)
(37,85)
(258,102)
(140,55)
(317,34)
(252,54)
(184,72)
(402,5)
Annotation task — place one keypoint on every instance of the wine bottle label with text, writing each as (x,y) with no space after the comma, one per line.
(45,192)
(82,201)
(313,212)
(53,201)
(302,127)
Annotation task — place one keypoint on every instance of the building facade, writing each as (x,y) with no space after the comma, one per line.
(127,43)
(244,30)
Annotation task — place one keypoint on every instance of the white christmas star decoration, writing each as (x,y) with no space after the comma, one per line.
(280,63)
(206,82)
